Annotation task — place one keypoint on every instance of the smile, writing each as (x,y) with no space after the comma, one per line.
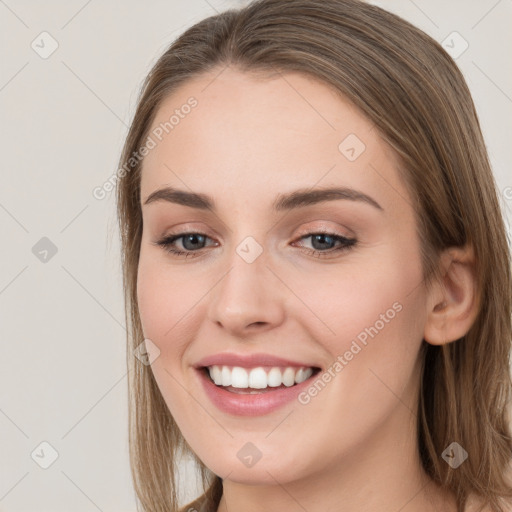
(236,378)
(256,391)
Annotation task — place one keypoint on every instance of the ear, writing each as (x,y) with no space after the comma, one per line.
(452,303)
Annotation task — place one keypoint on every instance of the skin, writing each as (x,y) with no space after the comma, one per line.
(352,447)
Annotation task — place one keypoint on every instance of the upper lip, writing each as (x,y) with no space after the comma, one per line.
(249,361)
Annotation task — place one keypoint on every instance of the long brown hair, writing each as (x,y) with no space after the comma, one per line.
(410,88)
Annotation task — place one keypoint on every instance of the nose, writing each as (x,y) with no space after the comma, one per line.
(247,299)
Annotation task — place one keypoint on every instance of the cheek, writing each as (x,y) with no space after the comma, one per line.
(163,302)
(172,307)
(371,324)
(149,296)
(374,301)
(164,310)
(163,295)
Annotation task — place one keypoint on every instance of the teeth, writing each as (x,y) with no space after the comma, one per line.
(226,376)
(303,374)
(239,378)
(289,377)
(216,375)
(274,378)
(258,378)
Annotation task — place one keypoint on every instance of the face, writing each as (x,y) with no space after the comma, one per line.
(276,276)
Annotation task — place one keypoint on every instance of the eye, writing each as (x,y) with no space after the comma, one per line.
(324,243)
(190,242)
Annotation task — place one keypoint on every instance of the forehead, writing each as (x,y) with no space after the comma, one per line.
(255,135)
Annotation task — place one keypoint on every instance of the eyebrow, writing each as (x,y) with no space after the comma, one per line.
(296,199)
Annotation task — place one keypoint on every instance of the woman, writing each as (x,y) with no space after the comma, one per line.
(339,338)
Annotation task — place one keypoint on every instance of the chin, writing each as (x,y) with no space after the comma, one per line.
(261,472)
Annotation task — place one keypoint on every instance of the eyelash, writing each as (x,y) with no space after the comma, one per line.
(346,244)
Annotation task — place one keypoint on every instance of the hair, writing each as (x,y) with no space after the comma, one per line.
(413,92)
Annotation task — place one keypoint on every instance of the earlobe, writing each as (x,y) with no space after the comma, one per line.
(452,304)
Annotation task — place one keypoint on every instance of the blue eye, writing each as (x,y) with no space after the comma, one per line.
(325,243)
(189,240)
(321,240)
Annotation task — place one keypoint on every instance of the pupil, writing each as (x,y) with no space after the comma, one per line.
(191,238)
(321,237)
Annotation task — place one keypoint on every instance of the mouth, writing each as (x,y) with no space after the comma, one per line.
(257,380)
(253,384)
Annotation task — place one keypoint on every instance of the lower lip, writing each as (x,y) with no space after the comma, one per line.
(247,404)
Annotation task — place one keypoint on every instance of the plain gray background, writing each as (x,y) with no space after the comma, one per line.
(64,118)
